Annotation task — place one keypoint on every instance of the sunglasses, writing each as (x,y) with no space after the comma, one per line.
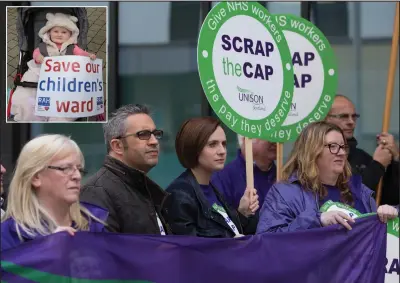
(145,135)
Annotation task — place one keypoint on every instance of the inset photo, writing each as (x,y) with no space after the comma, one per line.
(56,64)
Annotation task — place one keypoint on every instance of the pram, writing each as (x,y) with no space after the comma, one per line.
(29,22)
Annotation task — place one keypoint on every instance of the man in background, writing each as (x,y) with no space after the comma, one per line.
(231,180)
(384,163)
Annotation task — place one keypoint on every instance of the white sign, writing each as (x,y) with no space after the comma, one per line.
(392,267)
(70,86)
(245,68)
(315,76)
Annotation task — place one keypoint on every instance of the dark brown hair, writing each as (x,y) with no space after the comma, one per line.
(192,138)
(303,161)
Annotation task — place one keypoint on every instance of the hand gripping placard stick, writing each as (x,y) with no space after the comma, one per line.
(389,86)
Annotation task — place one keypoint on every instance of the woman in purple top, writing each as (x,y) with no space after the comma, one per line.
(196,207)
(317,171)
(44,193)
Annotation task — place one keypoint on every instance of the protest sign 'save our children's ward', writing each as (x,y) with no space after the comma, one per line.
(70,86)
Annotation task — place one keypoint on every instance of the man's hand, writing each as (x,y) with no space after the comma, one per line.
(387,212)
(382,155)
(388,142)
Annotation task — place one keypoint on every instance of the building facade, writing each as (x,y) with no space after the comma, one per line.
(152,55)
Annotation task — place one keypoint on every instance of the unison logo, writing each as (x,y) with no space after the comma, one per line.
(246,95)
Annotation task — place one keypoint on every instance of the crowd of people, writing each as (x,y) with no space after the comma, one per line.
(208,199)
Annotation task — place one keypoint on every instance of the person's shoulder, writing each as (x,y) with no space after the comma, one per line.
(359,152)
(286,189)
(181,184)
(9,237)
(6,223)
(287,186)
(96,210)
(103,178)
(357,186)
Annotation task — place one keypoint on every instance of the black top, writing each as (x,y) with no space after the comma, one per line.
(371,171)
(190,213)
(132,199)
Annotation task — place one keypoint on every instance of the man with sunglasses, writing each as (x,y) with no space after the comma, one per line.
(385,160)
(135,203)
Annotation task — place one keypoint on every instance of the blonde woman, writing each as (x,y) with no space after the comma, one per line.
(44,193)
(317,171)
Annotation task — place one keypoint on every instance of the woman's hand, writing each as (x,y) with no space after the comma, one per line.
(336,217)
(249,203)
(387,212)
(92,56)
(69,230)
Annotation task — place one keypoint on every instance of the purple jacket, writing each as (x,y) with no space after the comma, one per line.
(288,207)
(231,180)
(9,236)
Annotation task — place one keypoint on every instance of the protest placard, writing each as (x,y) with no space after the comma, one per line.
(70,86)
(315,76)
(245,68)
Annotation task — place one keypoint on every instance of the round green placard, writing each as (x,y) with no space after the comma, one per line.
(315,76)
(245,68)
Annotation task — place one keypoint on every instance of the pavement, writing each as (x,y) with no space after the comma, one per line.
(96,40)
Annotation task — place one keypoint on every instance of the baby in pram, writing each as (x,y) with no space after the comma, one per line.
(59,37)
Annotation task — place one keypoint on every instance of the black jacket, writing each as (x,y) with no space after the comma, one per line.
(131,198)
(190,213)
(371,171)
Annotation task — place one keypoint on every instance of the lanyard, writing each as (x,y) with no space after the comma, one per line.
(228,221)
(162,231)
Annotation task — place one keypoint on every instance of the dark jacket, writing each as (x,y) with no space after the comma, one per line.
(10,239)
(371,172)
(190,213)
(289,207)
(131,198)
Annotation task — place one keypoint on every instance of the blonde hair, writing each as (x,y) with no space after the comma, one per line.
(23,204)
(303,161)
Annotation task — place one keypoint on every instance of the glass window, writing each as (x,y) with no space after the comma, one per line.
(163,76)
(284,8)
(331,18)
(144,23)
(189,13)
(377,19)
(363,67)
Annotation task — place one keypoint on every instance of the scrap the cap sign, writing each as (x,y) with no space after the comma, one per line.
(315,76)
(70,86)
(246,76)
(265,76)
